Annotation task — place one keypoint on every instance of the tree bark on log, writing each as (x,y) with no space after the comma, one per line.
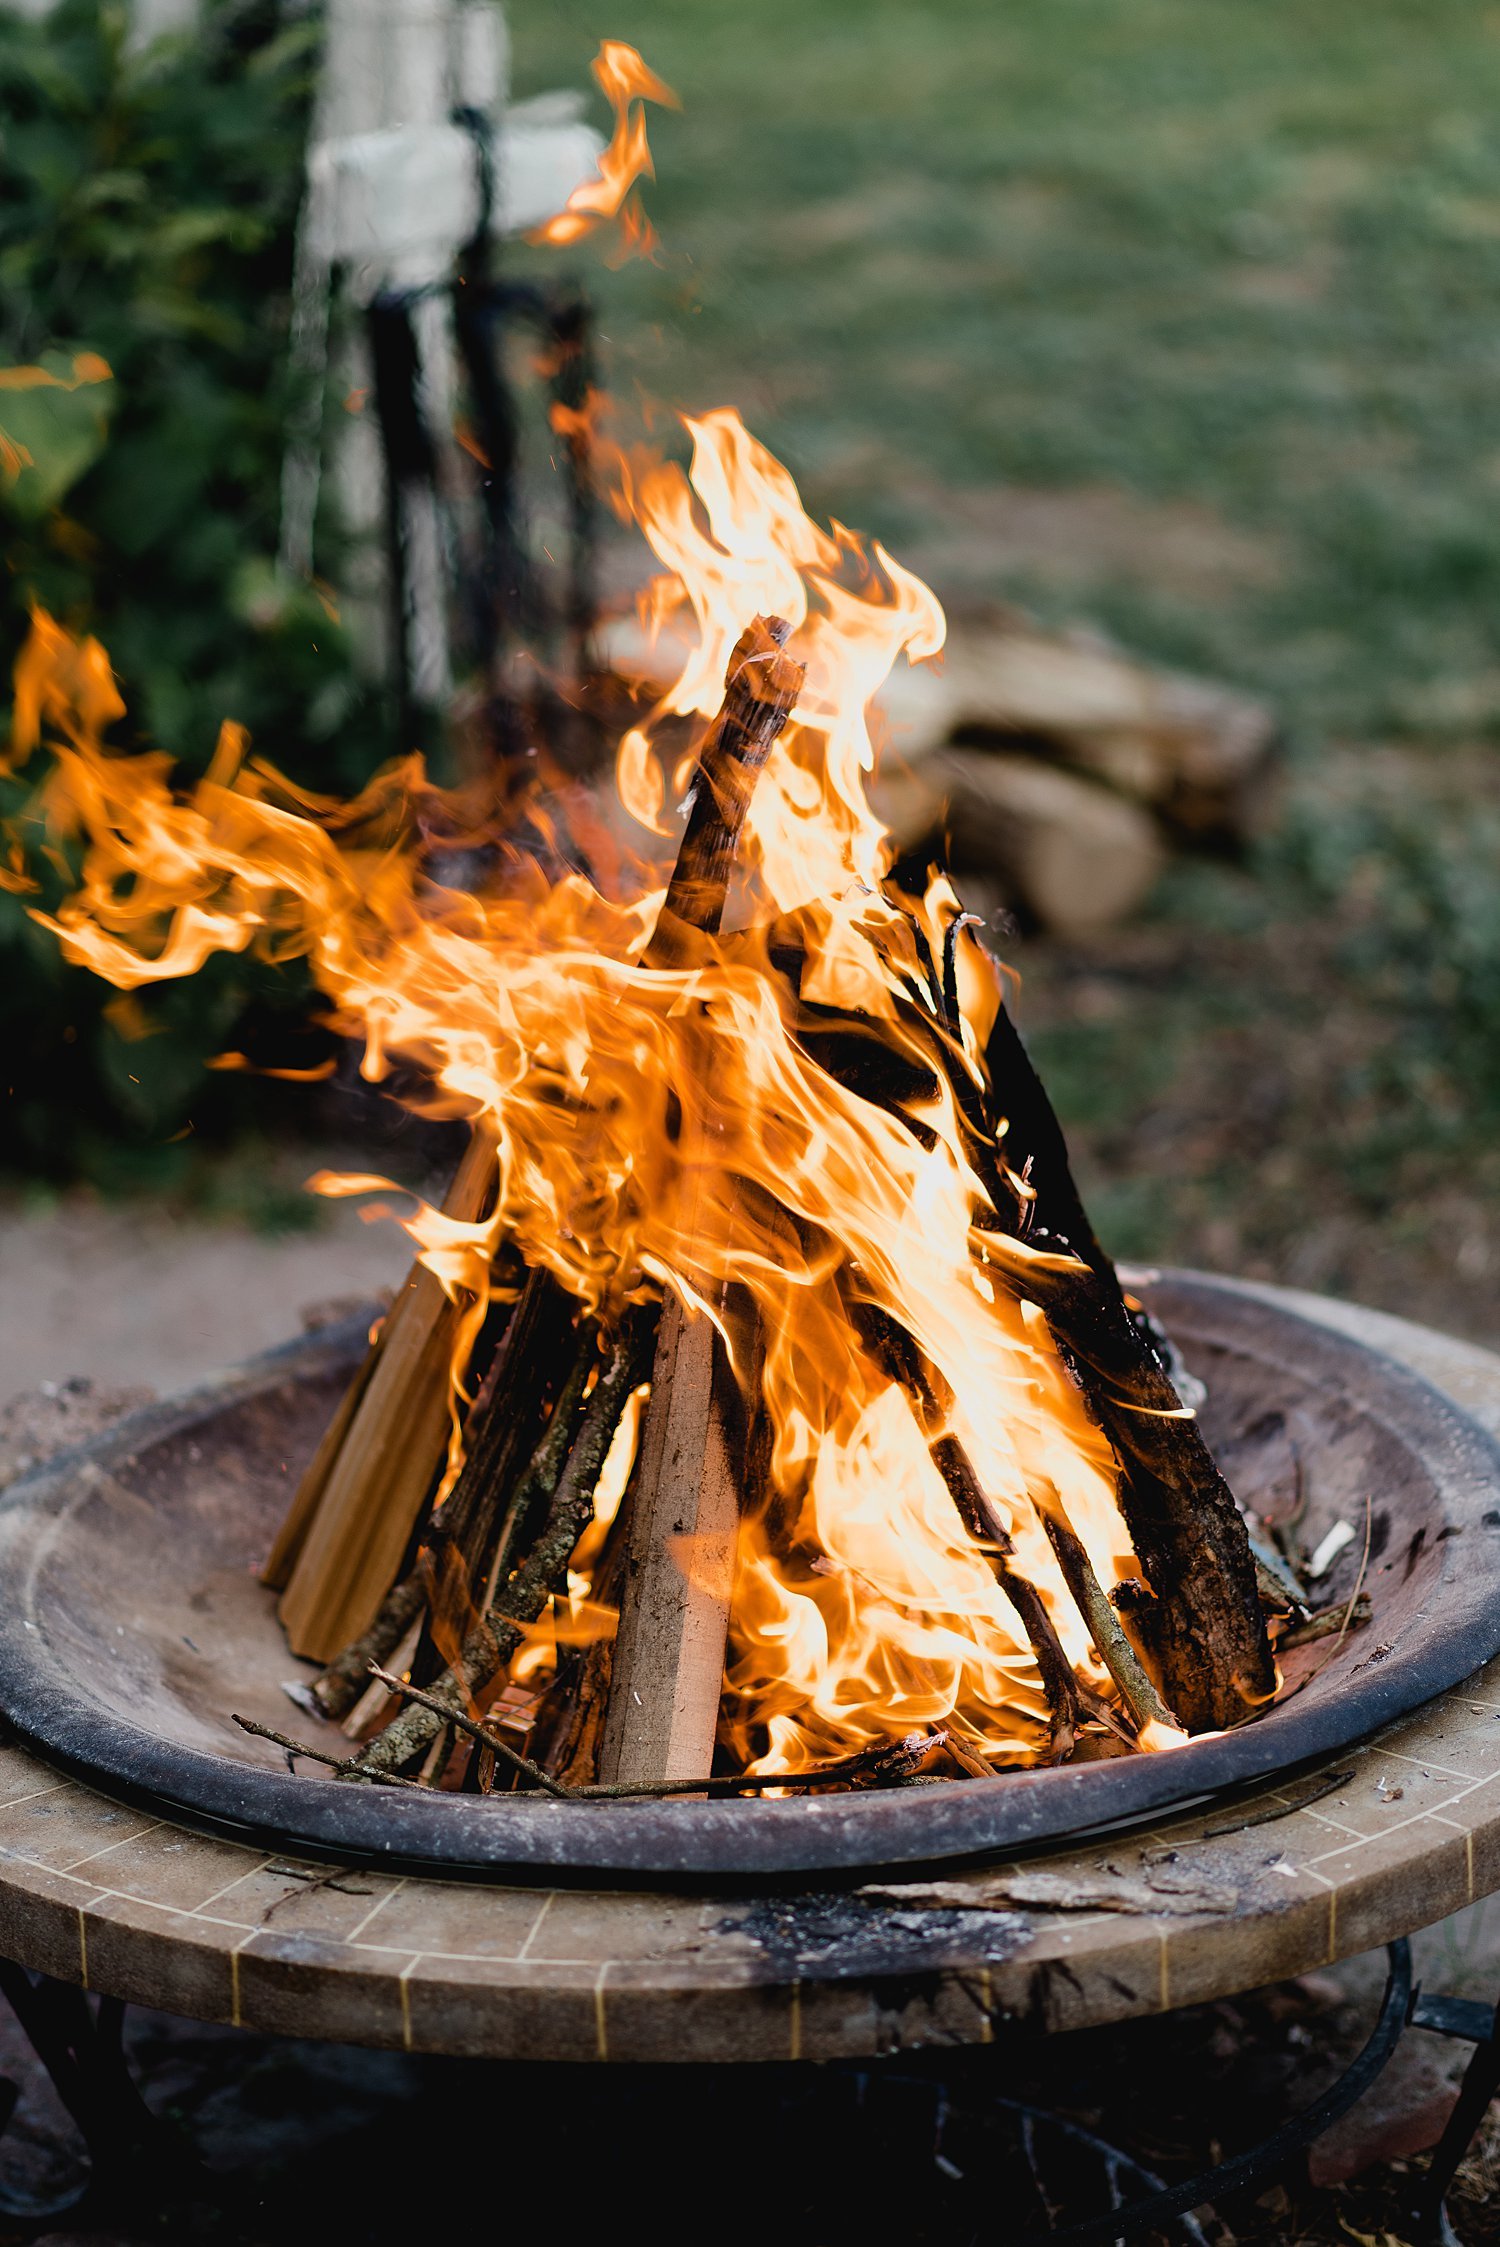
(1197,1623)
(494,1640)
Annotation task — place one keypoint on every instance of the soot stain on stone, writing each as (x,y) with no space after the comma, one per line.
(854,1938)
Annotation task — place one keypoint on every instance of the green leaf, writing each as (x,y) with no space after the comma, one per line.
(53,431)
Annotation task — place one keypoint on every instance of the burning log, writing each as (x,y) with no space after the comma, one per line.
(1070,1703)
(497,1636)
(788,1128)
(516,1535)
(1196,1621)
(668,1665)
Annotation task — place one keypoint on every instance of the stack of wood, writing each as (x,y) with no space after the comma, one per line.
(1065,770)
(417,1606)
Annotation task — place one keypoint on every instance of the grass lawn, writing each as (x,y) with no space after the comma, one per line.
(1183,316)
(1227,278)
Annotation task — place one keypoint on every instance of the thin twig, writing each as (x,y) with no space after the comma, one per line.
(1359,1581)
(1333,1653)
(1105,1628)
(1325,1623)
(952,1014)
(347,1767)
(485,1737)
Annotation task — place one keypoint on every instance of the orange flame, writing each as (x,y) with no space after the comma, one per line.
(611,193)
(675,1129)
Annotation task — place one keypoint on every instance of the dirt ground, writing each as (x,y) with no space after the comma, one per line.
(132,1296)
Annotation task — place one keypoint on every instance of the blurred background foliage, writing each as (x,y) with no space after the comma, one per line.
(147,206)
(1175,315)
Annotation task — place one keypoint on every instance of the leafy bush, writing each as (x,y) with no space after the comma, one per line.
(148,204)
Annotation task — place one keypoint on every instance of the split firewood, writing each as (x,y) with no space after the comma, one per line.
(355,1513)
(668,1666)
(668,1661)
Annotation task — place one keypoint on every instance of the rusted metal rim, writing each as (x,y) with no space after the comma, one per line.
(109,1556)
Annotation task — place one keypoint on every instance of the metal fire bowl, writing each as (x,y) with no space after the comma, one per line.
(132,1624)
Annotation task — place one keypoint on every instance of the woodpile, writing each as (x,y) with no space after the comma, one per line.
(1067,770)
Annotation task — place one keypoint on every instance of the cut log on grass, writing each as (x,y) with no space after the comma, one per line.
(357,1510)
(1202,757)
(1068,853)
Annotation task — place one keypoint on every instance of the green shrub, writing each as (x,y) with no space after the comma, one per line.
(147,212)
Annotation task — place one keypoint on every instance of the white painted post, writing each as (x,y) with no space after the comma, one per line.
(393,194)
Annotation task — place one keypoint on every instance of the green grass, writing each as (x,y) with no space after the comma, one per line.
(1211,293)
(1238,260)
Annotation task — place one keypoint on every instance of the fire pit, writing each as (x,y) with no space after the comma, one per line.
(762,1415)
(133,1625)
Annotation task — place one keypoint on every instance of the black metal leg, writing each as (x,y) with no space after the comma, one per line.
(1456,2017)
(134,2164)
(1155,2209)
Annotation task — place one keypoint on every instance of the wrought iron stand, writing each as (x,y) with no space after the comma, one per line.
(139,2167)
